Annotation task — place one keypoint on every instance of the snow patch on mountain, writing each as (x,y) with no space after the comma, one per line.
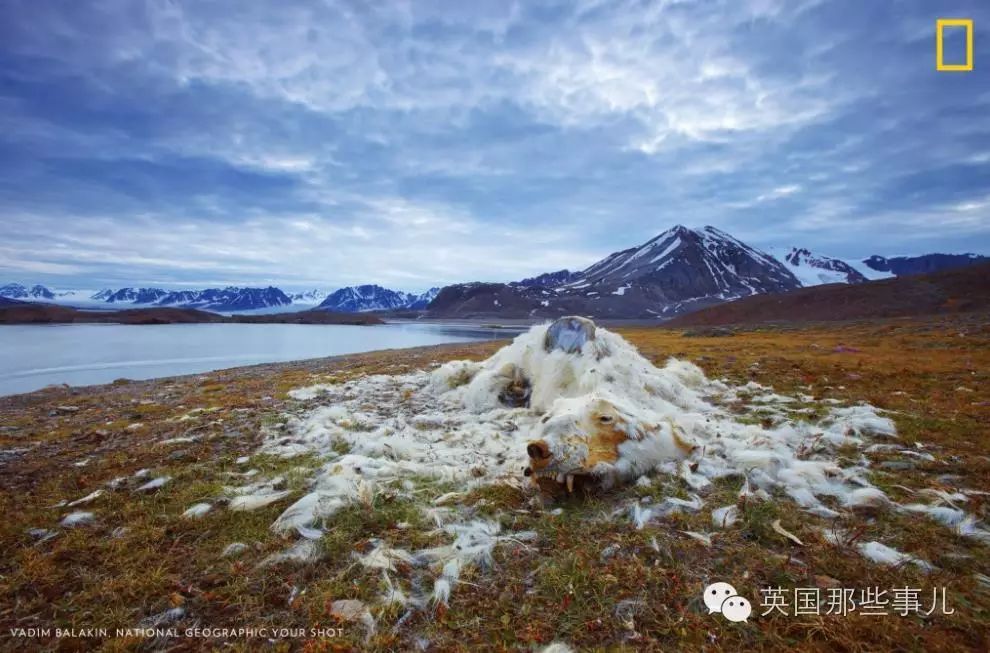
(869,273)
(314,296)
(19,291)
(816,269)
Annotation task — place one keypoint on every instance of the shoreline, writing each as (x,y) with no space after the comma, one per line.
(229,374)
(120,352)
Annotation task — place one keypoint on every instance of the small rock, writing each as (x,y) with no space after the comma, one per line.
(42,534)
(897,464)
(173,614)
(609,551)
(136,426)
(119,532)
(66,409)
(348,609)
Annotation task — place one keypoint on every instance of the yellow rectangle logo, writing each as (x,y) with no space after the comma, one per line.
(940,26)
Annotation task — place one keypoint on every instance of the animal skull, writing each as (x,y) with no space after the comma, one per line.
(597,438)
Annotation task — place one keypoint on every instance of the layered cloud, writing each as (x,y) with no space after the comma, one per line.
(328,143)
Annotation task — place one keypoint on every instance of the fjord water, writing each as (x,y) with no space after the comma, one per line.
(33,356)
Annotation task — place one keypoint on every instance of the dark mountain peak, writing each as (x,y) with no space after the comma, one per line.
(796,255)
(546,280)
(906,265)
(677,270)
(40,291)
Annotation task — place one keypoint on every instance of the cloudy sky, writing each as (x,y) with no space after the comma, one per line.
(320,144)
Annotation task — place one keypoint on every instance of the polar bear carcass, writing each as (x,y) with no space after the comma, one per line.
(605,412)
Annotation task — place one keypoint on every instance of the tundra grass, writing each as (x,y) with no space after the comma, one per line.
(590,579)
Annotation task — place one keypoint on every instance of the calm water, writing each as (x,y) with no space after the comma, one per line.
(33,356)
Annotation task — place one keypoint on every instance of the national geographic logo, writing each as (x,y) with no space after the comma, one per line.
(940,59)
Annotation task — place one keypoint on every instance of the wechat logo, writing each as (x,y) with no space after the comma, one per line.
(722,597)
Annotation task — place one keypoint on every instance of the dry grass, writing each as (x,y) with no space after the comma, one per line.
(591,580)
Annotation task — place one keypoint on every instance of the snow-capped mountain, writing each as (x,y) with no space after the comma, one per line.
(18,291)
(40,293)
(684,264)
(678,270)
(231,298)
(132,295)
(816,269)
(314,296)
(369,297)
(421,301)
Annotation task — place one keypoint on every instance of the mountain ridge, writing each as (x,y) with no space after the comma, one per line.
(673,272)
(676,271)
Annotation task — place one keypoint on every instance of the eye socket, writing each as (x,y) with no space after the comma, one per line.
(606,419)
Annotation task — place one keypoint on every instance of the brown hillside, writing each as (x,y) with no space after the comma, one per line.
(952,291)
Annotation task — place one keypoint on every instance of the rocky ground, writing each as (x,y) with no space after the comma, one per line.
(134,456)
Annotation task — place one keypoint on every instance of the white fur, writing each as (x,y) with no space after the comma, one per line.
(399,432)
(78,518)
(197,510)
